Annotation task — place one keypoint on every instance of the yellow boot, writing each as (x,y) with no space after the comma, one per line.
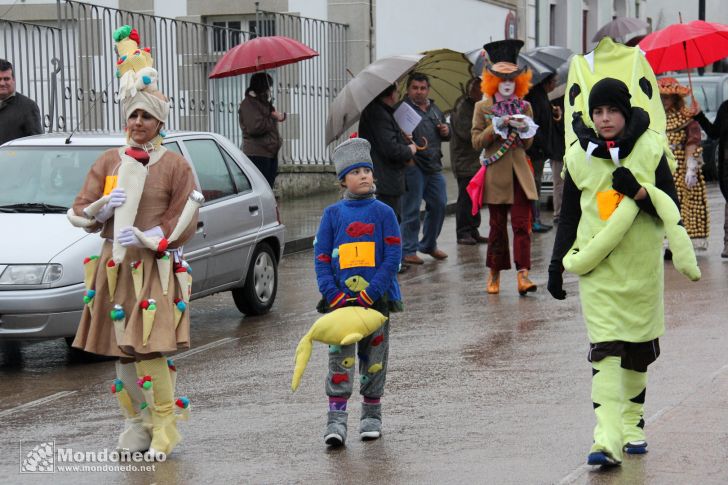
(156,384)
(524,284)
(493,282)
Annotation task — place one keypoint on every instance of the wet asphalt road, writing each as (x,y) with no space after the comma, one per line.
(481,388)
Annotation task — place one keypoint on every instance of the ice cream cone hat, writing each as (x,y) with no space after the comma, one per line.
(89,270)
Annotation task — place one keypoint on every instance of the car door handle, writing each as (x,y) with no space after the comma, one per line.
(252,208)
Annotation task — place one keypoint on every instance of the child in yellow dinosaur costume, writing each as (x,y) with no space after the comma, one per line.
(619,203)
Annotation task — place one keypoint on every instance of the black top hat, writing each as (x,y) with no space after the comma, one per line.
(501,53)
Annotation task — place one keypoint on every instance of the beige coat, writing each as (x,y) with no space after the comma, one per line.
(499,177)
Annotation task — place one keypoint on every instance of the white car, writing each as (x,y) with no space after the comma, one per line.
(237,246)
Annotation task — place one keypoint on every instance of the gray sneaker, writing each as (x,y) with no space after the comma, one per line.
(336,428)
(370,426)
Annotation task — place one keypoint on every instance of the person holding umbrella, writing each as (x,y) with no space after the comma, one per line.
(503,128)
(391,152)
(683,133)
(259,122)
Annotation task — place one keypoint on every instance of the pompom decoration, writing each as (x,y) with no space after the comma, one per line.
(89,296)
(111,263)
(145,382)
(134,35)
(117,386)
(162,133)
(144,304)
(170,364)
(183,402)
(122,33)
(143,405)
(117,313)
(152,304)
(146,80)
(163,245)
(135,264)
(180,304)
(118,73)
(148,49)
(89,259)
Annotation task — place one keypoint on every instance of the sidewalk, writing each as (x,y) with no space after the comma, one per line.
(301,215)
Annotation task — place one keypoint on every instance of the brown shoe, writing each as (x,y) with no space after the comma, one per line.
(438,254)
(480,239)
(524,284)
(493,282)
(413,259)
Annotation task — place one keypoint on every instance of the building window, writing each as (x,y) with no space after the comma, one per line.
(262,28)
(226,34)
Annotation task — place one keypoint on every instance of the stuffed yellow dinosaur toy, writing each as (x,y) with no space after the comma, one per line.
(344,326)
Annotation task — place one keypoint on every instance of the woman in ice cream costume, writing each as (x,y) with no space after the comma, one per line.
(683,133)
(503,128)
(141,199)
(619,203)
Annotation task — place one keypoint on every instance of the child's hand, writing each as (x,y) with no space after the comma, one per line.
(363,299)
(339,301)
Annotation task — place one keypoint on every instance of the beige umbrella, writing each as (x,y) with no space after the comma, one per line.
(362,89)
(449,73)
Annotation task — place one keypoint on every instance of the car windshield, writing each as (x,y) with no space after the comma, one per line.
(706,94)
(43,179)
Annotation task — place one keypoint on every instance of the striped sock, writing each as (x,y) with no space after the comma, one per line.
(372,400)
(337,403)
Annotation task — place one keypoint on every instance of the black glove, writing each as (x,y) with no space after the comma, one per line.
(556,284)
(624,182)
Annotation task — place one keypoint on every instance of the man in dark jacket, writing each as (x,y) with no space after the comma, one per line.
(19,115)
(465,162)
(424,180)
(719,129)
(542,147)
(391,153)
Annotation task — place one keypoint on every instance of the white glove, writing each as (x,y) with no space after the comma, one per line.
(127,238)
(691,175)
(117,199)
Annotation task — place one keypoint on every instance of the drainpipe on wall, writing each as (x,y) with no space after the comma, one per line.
(371,31)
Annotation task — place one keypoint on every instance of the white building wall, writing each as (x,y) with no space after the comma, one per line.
(411,26)
(315,9)
(665,12)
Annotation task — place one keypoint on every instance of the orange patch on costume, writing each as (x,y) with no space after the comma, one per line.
(607,203)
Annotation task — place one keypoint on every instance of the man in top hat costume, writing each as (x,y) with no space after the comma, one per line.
(141,199)
(619,203)
(503,128)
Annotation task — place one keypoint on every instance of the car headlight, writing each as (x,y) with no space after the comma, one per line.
(31,274)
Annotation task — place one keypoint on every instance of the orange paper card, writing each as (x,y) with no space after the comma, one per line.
(356,254)
(607,203)
(110,184)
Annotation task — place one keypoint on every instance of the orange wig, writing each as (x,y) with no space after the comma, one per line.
(489,85)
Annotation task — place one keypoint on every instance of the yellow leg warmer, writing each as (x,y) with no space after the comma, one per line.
(138,431)
(635,388)
(607,399)
(157,385)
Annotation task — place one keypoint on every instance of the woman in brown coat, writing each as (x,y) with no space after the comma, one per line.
(141,198)
(259,121)
(503,128)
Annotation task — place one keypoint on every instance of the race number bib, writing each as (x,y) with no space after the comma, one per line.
(110,183)
(356,255)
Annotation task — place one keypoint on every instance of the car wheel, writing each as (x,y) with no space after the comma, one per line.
(256,297)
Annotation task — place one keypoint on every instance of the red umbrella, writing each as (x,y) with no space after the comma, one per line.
(260,54)
(683,46)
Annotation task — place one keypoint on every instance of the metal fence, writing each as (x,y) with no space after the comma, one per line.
(75,62)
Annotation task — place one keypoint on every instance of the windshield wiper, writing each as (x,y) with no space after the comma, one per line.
(33,207)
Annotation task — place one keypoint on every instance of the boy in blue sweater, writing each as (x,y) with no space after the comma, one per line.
(357,254)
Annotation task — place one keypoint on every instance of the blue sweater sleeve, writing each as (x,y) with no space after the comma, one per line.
(387,271)
(323,249)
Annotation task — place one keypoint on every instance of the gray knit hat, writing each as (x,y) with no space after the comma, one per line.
(353,153)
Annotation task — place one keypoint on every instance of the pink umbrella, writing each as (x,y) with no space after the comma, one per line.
(260,54)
